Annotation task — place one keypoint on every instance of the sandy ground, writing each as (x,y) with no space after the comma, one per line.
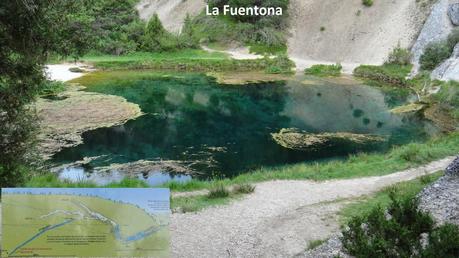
(279,219)
(352,34)
(239,53)
(60,72)
(171,12)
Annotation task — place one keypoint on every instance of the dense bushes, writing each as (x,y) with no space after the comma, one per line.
(434,54)
(280,64)
(388,73)
(437,52)
(400,231)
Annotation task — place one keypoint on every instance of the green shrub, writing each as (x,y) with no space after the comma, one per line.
(396,232)
(367,2)
(244,189)
(434,54)
(399,56)
(388,73)
(218,191)
(51,87)
(324,70)
(281,64)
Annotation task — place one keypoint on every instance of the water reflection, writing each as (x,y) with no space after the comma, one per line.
(224,130)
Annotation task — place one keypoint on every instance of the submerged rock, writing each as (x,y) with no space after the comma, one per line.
(147,166)
(410,108)
(244,78)
(65,118)
(295,139)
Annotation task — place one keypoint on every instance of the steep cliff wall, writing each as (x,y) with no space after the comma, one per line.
(171,12)
(348,32)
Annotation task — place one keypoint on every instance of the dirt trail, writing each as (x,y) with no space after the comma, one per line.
(348,32)
(279,219)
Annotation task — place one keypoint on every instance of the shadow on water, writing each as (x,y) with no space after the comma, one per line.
(224,130)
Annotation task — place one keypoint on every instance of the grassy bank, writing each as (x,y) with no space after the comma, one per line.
(402,190)
(360,165)
(188,60)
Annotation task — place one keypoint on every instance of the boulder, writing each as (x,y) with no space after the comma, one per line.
(449,69)
(453,168)
(453,13)
(292,138)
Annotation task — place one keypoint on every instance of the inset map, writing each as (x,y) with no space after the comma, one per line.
(96,222)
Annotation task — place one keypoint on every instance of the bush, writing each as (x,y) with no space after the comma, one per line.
(218,191)
(388,73)
(399,56)
(434,54)
(281,64)
(324,70)
(367,2)
(244,189)
(396,232)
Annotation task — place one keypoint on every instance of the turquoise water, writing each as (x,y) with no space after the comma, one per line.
(217,130)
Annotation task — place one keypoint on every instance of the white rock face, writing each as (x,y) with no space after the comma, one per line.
(436,28)
(172,13)
(449,69)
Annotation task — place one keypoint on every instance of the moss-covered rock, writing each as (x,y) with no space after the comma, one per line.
(409,108)
(295,139)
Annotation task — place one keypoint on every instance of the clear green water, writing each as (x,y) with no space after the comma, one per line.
(224,130)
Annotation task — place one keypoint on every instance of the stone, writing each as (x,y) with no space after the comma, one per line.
(453,13)
(453,168)
(449,69)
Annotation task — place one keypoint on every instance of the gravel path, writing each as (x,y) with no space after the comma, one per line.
(279,219)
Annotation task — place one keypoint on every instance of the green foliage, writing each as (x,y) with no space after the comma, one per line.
(382,199)
(28,32)
(387,73)
(280,64)
(448,98)
(367,3)
(399,56)
(218,191)
(396,232)
(243,189)
(50,180)
(324,70)
(51,87)
(434,54)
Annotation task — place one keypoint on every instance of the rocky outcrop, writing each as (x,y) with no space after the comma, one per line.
(436,28)
(453,169)
(453,13)
(449,69)
(292,138)
(441,199)
(172,13)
